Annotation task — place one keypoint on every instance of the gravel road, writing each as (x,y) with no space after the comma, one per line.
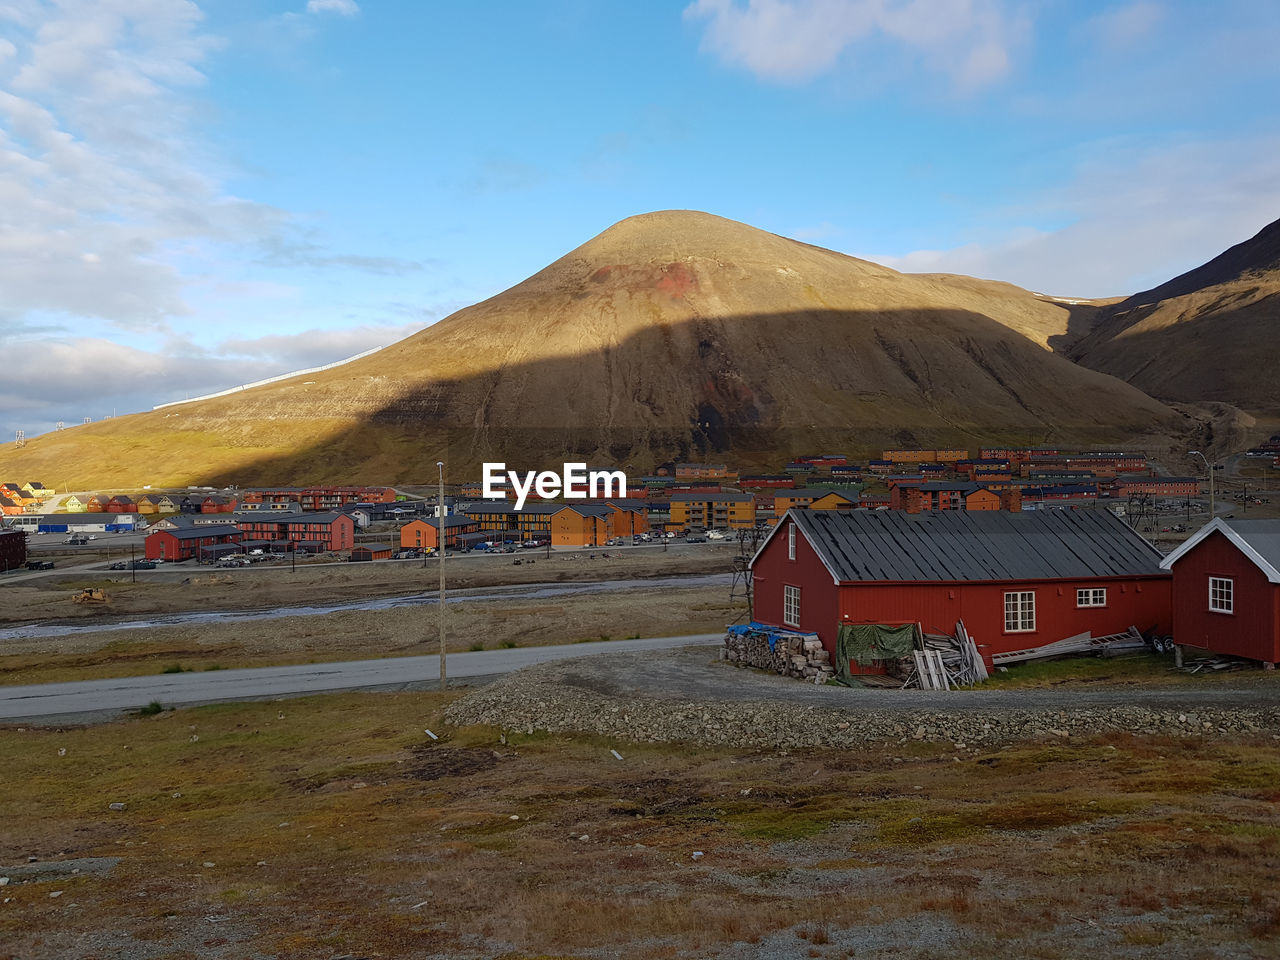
(687,694)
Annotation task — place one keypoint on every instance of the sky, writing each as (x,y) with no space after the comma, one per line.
(198,195)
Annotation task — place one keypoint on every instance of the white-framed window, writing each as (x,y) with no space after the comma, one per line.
(791,541)
(1091,597)
(1221,595)
(791,606)
(1019,611)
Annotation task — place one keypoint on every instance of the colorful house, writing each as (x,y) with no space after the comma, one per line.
(1226,589)
(189,543)
(1017,580)
(425,534)
(710,510)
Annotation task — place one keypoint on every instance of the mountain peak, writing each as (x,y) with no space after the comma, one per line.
(1258,254)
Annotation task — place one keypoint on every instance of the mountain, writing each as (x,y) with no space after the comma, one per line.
(1209,334)
(671,334)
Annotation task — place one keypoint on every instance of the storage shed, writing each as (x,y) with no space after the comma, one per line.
(1017,580)
(1226,589)
(370,551)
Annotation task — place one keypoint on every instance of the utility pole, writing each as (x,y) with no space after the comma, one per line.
(440,544)
(1209,470)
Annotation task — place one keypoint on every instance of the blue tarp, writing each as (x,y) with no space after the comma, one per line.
(771,634)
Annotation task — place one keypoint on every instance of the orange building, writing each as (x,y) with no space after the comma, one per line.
(706,471)
(925,456)
(927,497)
(580,526)
(627,517)
(789,499)
(833,501)
(425,534)
(710,510)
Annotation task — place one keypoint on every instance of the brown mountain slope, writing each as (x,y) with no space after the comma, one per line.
(1212,333)
(674,334)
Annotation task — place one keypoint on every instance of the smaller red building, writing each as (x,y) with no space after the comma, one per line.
(1226,589)
(370,551)
(1157,486)
(424,534)
(13,549)
(190,542)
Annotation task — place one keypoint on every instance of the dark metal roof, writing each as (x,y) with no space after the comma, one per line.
(628,503)
(450,521)
(199,533)
(711,497)
(951,546)
(585,509)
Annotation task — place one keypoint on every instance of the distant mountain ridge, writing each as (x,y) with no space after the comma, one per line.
(670,335)
(1210,334)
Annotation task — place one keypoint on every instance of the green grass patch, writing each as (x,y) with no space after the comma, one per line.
(1134,669)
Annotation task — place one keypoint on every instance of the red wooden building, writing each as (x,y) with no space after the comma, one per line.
(314,531)
(1017,580)
(1157,486)
(13,549)
(190,542)
(1226,589)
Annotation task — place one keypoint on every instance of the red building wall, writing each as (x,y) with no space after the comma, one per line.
(818,599)
(163,545)
(13,549)
(1143,602)
(1253,630)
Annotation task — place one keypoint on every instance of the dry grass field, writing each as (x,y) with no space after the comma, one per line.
(336,827)
(354,634)
(360,634)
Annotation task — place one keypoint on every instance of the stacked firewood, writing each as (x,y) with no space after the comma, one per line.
(791,654)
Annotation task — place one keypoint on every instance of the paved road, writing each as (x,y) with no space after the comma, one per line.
(91,700)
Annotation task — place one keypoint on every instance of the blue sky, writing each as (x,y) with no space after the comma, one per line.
(197,195)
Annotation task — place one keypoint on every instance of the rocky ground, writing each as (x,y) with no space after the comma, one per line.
(689,695)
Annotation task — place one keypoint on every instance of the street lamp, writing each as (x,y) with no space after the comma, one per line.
(440,544)
(1209,470)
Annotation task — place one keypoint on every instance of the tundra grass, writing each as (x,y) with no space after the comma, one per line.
(336,825)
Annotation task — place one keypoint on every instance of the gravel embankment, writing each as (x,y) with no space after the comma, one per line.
(685,695)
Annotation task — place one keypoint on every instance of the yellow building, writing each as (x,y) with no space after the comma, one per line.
(833,501)
(711,510)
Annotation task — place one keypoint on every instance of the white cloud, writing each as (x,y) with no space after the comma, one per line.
(69,378)
(101,180)
(970,41)
(1139,215)
(346,8)
(313,348)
